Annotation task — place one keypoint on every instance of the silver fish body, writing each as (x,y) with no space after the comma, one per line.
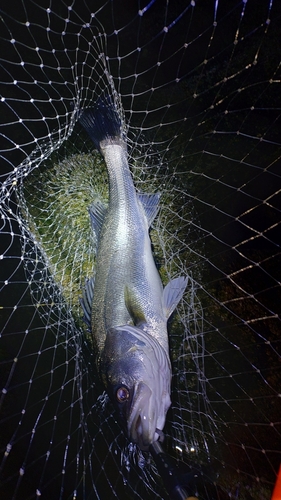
(129,308)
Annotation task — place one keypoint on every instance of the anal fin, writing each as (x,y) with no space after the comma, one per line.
(97,213)
(87,299)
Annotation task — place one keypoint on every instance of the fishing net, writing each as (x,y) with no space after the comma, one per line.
(198,89)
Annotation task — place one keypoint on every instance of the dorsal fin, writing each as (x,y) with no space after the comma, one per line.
(97,213)
(150,203)
(173,293)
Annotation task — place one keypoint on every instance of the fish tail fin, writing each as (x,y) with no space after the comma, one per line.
(102,122)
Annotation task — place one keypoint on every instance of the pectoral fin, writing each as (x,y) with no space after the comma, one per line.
(173,293)
(133,306)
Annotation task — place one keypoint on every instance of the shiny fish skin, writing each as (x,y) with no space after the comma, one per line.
(129,308)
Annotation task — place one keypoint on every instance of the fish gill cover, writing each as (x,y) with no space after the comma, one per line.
(199,86)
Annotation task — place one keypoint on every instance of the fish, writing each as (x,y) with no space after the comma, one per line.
(125,303)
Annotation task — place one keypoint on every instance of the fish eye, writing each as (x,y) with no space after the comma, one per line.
(122,394)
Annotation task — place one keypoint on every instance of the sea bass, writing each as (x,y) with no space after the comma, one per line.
(125,303)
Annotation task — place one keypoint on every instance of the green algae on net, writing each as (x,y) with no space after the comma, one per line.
(55,200)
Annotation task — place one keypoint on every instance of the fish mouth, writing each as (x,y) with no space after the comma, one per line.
(142,421)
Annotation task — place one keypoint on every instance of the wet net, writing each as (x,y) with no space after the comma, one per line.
(198,86)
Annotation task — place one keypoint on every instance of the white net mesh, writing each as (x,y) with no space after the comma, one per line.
(200,88)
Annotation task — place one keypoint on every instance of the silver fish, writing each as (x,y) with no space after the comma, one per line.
(125,303)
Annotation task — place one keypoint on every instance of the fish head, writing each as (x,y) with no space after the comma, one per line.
(136,371)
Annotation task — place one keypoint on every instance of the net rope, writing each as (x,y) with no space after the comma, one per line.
(198,88)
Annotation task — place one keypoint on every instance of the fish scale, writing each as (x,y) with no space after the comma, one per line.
(130,260)
(129,307)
